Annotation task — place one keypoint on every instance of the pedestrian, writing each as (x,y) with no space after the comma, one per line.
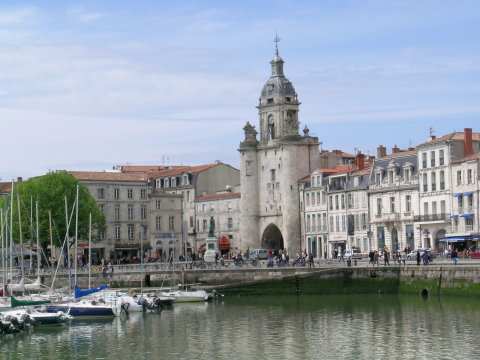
(375,258)
(110,267)
(310,260)
(454,256)
(425,257)
(371,256)
(418,257)
(104,271)
(386,256)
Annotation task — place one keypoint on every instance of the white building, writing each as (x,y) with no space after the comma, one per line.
(436,182)
(393,198)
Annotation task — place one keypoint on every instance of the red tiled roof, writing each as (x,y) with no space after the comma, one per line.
(107,176)
(401,153)
(217,196)
(467,158)
(5,187)
(365,171)
(346,155)
(305,179)
(177,170)
(139,168)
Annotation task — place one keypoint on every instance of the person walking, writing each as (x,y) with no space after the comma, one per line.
(425,257)
(418,258)
(454,256)
(375,258)
(310,260)
(386,256)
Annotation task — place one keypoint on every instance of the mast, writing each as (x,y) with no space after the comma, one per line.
(89,249)
(141,261)
(38,241)
(51,237)
(11,232)
(76,236)
(3,252)
(20,236)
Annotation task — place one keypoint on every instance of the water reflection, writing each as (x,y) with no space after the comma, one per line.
(327,327)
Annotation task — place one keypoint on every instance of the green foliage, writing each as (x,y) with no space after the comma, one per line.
(50,191)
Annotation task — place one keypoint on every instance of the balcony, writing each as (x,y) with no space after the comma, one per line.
(433,217)
(464,230)
(386,217)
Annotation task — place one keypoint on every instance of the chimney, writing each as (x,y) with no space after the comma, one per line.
(360,161)
(395,149)
(19,179)
(338,152)
(381,151)
(467,139)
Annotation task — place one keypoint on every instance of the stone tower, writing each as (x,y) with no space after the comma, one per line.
(271,166)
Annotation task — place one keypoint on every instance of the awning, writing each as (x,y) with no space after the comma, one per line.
(338,241)
(127,248)
(453,239)
(224,243)
(468,194)
(453,216)
(457,195)
(466,215)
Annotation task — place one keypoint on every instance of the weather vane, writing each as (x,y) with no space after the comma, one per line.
(276,41)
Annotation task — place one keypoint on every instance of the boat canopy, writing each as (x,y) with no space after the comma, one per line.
(79,292)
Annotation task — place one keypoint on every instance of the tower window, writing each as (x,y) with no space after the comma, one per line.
(269,101)
(288,99)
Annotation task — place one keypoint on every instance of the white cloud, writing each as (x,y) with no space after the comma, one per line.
(82,15)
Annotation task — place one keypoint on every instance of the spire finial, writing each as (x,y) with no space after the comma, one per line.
(276,40)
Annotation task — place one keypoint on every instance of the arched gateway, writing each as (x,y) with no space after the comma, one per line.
(272,238)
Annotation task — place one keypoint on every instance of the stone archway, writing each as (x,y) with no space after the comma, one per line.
(394,236)
(272,238)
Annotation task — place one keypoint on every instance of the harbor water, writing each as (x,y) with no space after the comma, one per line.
(305,327)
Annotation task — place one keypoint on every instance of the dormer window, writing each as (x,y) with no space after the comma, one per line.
(185,179)
(378,178)
(173,182)
(166,183)
(390,177)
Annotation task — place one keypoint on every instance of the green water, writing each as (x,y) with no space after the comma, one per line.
(307,327)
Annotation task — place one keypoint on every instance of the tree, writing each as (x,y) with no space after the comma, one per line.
(50,191)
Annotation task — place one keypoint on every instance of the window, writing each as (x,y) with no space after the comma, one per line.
(364,221)
(130,212)
(204,227)
(188,195)
(318,198)
(131,231)
(307,199)
(116,193)
(442,207)
(324,197)
(408,203)
(101,193)
(460,204)
(143,230)
(378,178)
(313,198)
(442,180)
(434,208)
(425,208)
(230,223)
(158,204)
(331,223)
(344,222)
(166,183)
(171,204)
(212,207)
(392,204)
(337,223)
(336,202)
(433,178)
(173,181)
(343,201)
(308,223)
(143,212)
(143,193)
(441,160)
(470,202)
(272,175)
(117,232)
(204,207)
(459,177)
(379,206)
(171,223)
(185,179)
(390,177)
(331,202)
(158,223)
(130,193)
(425,182)
(469,176)
(350,201)
(191,221)
(117,212)
(101,235)
(325,222)
(406,174)
(424,160)
(432,158)
(469,223)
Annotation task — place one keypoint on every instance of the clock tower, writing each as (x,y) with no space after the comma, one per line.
(271,166)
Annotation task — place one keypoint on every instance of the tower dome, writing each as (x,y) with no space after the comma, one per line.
(277,85)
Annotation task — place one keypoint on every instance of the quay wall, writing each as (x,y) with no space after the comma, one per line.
(432,280)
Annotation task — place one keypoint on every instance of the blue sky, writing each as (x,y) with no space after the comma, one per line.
(85,85)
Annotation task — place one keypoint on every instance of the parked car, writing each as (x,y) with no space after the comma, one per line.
(413,254)
(259,254)
(353,254)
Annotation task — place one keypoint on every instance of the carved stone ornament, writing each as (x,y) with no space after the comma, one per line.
(250,132)
(291,123)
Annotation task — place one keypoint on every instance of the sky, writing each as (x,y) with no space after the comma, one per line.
(86,85)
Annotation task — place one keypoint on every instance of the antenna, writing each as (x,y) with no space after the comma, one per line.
(431,131)
(276,40)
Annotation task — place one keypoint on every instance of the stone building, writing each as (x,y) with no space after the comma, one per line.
(271,166)
(437,204)
(393,197)
(225,209)
(123,198)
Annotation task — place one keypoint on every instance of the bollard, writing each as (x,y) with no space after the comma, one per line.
(355,262)
(349,262)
